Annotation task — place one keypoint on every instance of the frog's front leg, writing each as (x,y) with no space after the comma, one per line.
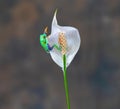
(57,47)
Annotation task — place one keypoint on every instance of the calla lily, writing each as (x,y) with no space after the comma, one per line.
(62,44)
(72,37)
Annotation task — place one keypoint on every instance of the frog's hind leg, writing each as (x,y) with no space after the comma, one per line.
(50,47)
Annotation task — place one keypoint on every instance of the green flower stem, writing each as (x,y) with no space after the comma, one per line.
(66,82)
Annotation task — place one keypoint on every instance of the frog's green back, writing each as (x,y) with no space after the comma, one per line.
(44,41)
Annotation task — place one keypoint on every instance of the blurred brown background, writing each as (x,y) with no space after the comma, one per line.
(29,79)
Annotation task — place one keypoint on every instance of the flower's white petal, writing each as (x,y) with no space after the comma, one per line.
(55,26)
(73,42)
(55,54)
(57,57)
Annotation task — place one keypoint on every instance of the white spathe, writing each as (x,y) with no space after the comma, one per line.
(72,37)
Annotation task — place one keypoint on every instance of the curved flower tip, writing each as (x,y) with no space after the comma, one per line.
(66,40)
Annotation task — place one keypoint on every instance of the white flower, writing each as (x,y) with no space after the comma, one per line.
(71,38)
